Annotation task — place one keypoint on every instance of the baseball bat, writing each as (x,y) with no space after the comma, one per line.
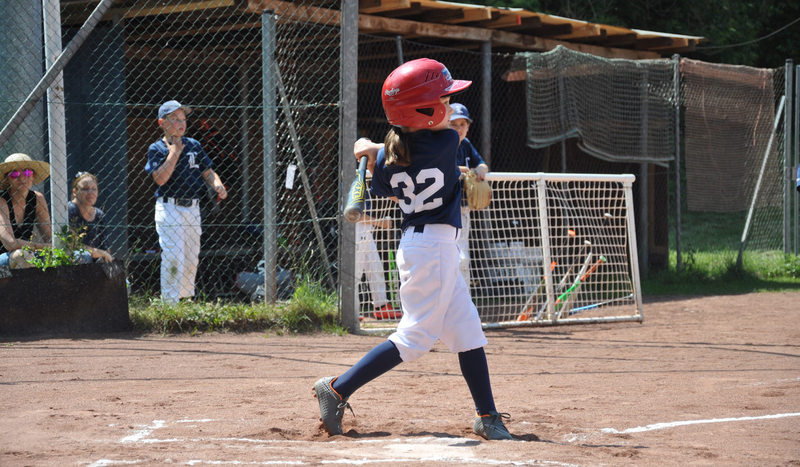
(528,307)
(577,310)
(578,282)
(529,304)
(358,190)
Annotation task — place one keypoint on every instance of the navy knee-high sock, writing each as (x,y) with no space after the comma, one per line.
(382,358)
(476,372)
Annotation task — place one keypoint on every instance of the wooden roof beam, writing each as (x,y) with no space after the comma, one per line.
(380,6)
(156,10)
(471,15)
(73,15)
(550,30)
(414,10)
(581,32)
(442,16)
(511,23)
(679,45)
(617,40)
(378,24)
(308,13)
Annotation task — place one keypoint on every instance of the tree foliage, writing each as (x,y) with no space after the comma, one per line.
(724,23)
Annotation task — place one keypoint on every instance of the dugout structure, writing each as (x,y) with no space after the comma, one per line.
(550,249)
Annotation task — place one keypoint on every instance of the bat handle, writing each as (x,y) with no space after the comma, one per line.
(355,204)
(362,167)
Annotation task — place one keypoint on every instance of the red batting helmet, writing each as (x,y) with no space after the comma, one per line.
(411,93)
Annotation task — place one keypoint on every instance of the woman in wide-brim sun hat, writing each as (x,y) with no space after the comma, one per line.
(21,161)
(18,174)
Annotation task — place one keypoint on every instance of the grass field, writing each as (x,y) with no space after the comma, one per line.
(710,245)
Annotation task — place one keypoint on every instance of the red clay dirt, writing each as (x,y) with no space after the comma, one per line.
(703,381)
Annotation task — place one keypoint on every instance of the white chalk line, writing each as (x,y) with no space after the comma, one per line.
(142,436)
(144,432)
(666,425)
(105,462)
(448,460)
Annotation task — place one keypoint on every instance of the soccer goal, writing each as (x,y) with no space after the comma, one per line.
(550,249)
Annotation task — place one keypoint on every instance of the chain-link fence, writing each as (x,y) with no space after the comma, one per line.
(214,57)
(734,145)
(263,81)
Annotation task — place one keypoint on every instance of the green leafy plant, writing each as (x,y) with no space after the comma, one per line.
(53,256)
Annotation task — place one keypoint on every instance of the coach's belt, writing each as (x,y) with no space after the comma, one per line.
(182,202)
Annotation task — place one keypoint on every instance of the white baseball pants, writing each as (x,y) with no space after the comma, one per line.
(179,229)
(435,299)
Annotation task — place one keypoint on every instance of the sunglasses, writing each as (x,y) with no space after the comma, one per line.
(24,172)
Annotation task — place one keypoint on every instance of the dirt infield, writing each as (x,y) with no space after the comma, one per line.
(713,380)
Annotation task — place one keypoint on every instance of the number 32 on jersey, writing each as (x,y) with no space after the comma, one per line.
(412,201)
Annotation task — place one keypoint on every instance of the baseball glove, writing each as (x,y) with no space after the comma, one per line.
(479,193)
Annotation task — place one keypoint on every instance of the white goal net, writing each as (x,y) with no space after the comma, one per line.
(550,249)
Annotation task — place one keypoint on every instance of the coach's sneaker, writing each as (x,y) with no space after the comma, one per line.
(491,426)
(331,405)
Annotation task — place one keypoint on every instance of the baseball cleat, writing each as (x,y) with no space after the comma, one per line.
(491,426)
(331,405)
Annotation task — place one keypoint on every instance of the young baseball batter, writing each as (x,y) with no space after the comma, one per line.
(417,167)
(180,168)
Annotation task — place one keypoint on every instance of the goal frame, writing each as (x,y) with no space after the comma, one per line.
(610,292)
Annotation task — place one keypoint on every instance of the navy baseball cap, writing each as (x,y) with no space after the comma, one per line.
(460,111)
(171,106)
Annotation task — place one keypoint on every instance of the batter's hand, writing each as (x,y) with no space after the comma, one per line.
(366,147)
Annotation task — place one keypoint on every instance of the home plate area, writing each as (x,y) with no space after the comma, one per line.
(185,440)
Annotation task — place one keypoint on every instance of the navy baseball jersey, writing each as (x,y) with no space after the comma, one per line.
(467,155)
(428,191)
(187,179)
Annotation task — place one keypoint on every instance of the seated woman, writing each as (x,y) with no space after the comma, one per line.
(22,210)
(85,218)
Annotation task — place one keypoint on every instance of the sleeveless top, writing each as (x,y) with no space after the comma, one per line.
(23,231)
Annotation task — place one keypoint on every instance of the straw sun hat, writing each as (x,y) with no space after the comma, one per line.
(21,161)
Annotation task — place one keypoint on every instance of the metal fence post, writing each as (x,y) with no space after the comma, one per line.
(676,77)
(56,126)
(398,43)
(348,111)
(486,103)
(788,175)
(797,155)
(268,116)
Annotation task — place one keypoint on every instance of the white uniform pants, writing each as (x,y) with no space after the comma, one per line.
(368,262)
(179,229)
(463,245)
(435,299)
